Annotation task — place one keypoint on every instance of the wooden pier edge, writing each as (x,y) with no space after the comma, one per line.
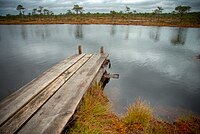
(99,79)
(65,85)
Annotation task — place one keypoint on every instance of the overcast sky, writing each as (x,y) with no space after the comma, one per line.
(61,6)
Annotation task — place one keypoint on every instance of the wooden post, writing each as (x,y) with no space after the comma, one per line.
(79,49)
(101,50)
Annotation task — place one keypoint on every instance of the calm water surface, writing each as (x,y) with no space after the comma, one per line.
(156,63)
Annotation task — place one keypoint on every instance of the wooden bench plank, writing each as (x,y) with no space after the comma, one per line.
(19,118)
(11,105)
(54,115)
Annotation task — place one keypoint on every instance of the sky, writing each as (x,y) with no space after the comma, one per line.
(61,6)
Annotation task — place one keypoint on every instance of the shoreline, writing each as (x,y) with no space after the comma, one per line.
(95,116)
(134,23)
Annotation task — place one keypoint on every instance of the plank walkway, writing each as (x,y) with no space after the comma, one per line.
(47,103)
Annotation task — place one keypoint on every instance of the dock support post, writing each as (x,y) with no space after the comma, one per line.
(79,49)
(101,50)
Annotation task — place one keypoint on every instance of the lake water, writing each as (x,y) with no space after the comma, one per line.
(156,63)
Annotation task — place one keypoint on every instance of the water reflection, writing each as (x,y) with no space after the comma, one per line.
(24,32)
(38,32)
(198,34)
(154,72)
(79,32)
(42,32)
(47,32)
(155,34)
(180,37)
(113,30)
(127,33)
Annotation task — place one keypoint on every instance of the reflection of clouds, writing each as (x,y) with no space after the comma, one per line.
(145,66)
(114,95)
(159,61)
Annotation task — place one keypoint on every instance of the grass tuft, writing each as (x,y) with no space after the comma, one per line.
(95,117)
(140,113)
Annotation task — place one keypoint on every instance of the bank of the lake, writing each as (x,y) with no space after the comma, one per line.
(95,116)
(145,20)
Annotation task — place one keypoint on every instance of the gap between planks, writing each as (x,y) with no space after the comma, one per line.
(11,105)
(26,112)
(54,115)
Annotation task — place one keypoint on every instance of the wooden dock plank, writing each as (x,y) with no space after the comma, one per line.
(25,113)
(15,102)
(54,115)
(14,95)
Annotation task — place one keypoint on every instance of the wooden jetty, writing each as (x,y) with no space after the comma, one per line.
(46,104)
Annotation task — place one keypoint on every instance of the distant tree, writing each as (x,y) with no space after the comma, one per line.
(173,12)
(21,9)
(81,12)
(69,11)
(113,13)
(134,11)
(88,13)
(34,11)
(77,8)
(46,11)
(158,11)
(120,12)
(127,9)
(51,13)
(40,8)
(182,10)
(8,15)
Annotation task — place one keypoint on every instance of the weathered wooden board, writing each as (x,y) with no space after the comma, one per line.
(26,112)
(55,113)
(16,101)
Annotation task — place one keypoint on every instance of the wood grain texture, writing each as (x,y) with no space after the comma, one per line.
(12,96)
(26,112)
(55,113)
(13,103)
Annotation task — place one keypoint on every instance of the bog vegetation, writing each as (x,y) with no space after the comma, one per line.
(181,16)
(95,117)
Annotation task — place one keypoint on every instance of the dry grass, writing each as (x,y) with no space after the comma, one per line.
(138,116)
(188,124)
(95,117)
(95,19)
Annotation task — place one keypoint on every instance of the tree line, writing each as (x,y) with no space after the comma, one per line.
(40,10)
(79,10)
